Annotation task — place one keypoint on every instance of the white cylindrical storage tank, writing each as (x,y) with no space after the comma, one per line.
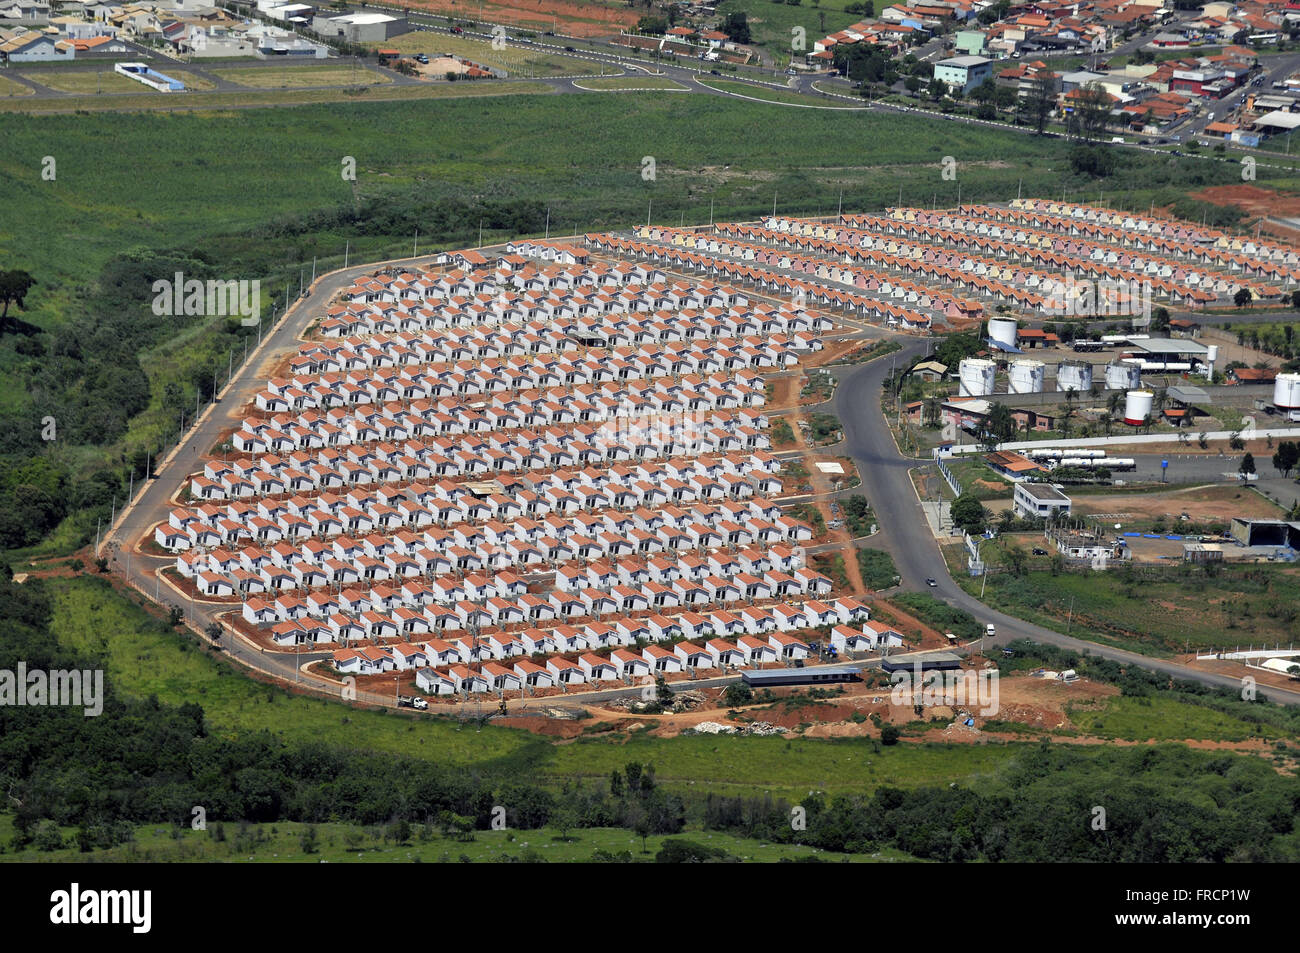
(1212,353)
(1003,330)
(976,377)
(1026,377)
(1137,405)
(1286,391)
(1072,375)
(1121,376)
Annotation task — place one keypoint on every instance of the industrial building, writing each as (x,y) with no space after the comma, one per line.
(923,661)
(818,675)
(1249,532)
(360,27)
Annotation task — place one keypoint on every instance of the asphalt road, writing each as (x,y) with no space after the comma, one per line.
(907,537)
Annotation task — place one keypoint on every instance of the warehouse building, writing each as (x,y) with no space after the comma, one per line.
(819,675)
(1265,532)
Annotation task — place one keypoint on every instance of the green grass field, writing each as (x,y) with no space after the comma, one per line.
(771,24)
(1158,613)
(10,88)
(145,659)
(298,77)
(102,80)
(344,843)
(630,82)
(776,96)
(1163,719)
(212,103)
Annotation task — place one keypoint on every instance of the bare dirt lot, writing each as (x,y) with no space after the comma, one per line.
(1258,203)
(1202,504)
(571,18)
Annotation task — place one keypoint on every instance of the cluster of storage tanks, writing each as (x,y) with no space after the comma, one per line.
(976,376)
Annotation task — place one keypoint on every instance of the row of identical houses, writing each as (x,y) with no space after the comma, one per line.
(344,559)
(417,608)
(393,506)
(1169,253)
(347,379)
(623,305)
(278,468)
(608,651)
(819,294)
(1019,268)
(725,403)
(832,261)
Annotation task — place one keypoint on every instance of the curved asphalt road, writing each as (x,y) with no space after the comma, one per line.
(906,534)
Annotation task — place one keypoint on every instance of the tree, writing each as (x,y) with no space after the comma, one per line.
(889,735)
(1286,457)
(1241,299)
(1090,112)
(14,285)
(1039,100)
(937,89)
(931,411)
(1015,559)
(1000,427)
(737,694)
(968,513)
(1247,467)
(736,26)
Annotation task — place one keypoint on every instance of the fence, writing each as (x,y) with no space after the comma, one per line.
(953,482)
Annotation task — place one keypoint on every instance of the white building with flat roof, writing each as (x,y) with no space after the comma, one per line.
(1040,501)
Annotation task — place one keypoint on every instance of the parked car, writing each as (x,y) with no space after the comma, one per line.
(931,582)
(421,58)
(1040,552)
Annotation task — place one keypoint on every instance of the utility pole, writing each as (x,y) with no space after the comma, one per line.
(415,246)
(347,245)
